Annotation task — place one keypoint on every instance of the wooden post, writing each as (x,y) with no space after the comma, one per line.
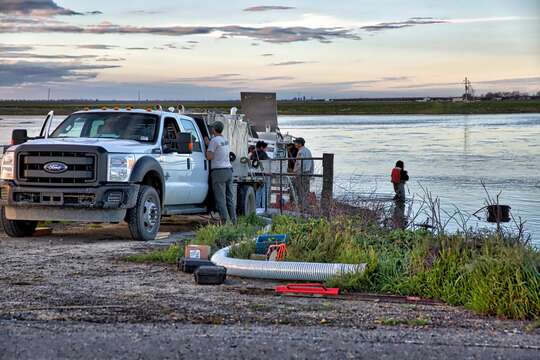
(327,194)
(281,186)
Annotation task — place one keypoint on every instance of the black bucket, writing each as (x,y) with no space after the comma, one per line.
(498,213)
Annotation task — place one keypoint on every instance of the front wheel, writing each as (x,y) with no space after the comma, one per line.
(17,228)
(144,218)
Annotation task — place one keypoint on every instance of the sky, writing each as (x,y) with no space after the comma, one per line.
(212,50)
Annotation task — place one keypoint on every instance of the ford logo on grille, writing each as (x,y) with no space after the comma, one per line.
(55,167)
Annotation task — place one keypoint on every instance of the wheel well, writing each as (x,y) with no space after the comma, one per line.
(152,179)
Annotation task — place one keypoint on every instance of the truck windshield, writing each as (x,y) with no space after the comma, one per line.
(109,125)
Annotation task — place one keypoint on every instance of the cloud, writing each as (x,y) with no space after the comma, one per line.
(403,24)
(396,78)
(6,48)
(292,62)
(267,8)
(110,59)
(508,82)
(37,8)
(23,55)
(136,48)
(271,34)
(146,12)
(97,46)
(24,72)
(273,78)
(218,78)
(190,46)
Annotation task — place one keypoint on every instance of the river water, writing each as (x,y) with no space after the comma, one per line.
(447,154)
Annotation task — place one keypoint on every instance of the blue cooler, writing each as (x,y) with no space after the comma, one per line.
(264,241)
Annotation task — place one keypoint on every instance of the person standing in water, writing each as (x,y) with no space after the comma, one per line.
(399,177)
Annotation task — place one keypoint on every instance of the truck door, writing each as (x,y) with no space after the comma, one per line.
(199,165)
(175,166)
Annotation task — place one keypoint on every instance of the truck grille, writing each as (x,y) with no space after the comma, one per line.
(80,167)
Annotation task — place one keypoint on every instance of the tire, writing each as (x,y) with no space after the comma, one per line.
(17,228)
(144,219)
(246,200)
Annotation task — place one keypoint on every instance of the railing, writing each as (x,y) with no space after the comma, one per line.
(327,176)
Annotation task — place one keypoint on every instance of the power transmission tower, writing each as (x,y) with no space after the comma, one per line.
(469,91)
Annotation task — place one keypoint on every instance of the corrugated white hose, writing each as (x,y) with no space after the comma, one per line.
(282,270)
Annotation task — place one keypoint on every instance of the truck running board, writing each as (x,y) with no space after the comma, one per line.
(184,209)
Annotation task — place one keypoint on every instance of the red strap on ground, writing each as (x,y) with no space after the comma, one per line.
(310,288)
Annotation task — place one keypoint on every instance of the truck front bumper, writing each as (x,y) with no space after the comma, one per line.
(106,203)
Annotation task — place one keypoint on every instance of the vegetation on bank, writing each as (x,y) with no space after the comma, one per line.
(216,236)
(489,272)
(366,107)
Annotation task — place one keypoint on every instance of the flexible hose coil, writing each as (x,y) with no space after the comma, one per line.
(282,270)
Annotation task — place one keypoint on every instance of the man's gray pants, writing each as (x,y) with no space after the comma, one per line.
(222,185)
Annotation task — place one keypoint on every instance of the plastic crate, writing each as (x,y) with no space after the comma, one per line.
(264,241)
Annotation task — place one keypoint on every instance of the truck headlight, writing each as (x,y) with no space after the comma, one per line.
(120,166)
(7,170)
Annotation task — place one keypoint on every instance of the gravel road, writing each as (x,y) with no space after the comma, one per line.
(70,295)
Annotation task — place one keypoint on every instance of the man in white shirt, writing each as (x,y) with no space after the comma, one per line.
(221,173)
(303,168)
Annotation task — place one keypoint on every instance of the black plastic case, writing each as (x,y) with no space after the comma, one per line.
(189,265)
(210,275)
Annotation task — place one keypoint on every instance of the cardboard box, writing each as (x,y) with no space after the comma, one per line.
(197,252)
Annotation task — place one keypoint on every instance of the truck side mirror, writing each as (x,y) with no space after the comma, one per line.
(18,136)
(185,143)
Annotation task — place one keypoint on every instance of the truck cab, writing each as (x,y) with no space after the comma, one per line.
(111,165)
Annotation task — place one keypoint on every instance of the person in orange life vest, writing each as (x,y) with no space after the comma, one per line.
(399,177)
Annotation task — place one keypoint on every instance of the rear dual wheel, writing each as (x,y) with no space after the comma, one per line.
(246,204)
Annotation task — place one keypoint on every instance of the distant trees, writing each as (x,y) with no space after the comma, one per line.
(507,95)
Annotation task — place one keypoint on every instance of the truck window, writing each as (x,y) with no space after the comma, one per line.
(96,127)
(72,128)
(170,134)
(189,127)
(110,125)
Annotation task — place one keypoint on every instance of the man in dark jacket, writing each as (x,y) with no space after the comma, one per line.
(262,192)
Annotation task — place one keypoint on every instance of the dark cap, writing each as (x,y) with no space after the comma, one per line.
(261,144)
(300,141)
(218,126)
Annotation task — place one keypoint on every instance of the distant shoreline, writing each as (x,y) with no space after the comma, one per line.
(295,107)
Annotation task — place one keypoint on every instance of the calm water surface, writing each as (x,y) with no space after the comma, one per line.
(448,154)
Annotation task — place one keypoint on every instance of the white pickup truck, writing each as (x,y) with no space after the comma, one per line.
(110,165)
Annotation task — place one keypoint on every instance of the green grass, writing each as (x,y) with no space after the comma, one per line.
(493,275)
(216,236)
(220,236)
(9,107)
(534,325)
(167,255)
